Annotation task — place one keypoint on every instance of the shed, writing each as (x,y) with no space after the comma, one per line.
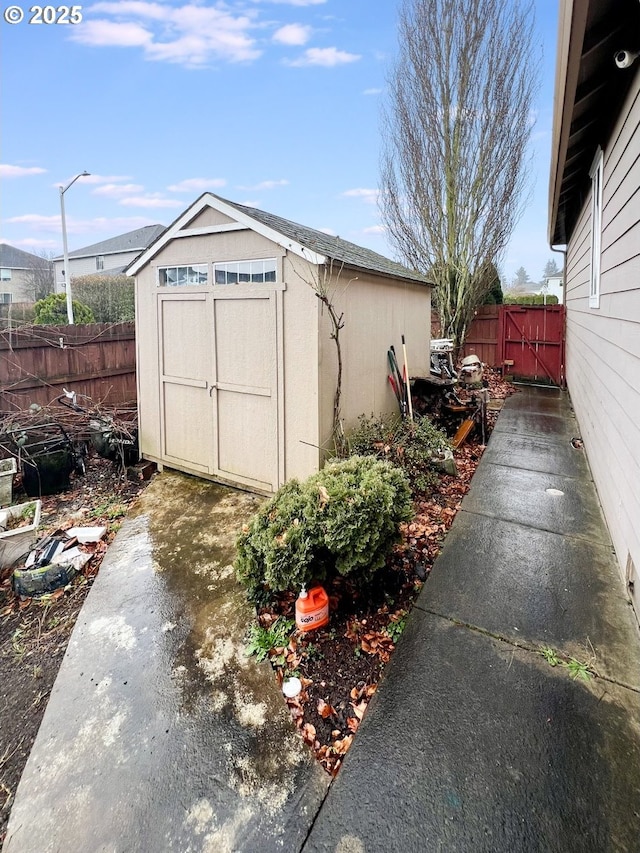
(236,365)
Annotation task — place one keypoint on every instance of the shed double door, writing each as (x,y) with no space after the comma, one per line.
(218,359)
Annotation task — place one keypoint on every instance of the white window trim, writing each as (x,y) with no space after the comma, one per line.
(262,284)
(182,286)
(596,173)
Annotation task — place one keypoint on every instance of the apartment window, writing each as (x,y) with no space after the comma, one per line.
(245,272)
(5,275)
(596,229)
(196,274)
(100,262)
(5,298)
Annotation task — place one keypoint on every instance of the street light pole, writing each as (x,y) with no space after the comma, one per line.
(65,251)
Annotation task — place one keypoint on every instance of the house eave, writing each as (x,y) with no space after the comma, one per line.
(589,91)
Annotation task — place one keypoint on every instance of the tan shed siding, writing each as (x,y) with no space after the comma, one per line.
(603,345)
(148,364)
(209,248)
(385,310)
(208,217)
(301,430)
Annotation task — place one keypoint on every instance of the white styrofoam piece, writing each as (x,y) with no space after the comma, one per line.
(86,534)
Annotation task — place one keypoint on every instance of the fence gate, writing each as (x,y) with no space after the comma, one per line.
(531,343)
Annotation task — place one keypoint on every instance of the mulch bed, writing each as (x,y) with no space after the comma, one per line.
(340,665)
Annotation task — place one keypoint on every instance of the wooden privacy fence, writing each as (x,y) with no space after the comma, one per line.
(525,341)
(37,362)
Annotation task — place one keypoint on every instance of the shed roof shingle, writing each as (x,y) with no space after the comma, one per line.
(340,250)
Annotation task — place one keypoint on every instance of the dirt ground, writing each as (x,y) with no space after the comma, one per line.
(34,633)
(339,666)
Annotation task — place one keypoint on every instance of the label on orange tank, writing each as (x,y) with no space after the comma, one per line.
(312,611)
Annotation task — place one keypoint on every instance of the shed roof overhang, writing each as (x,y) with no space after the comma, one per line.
(589,92)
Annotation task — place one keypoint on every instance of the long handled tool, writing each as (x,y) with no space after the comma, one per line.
(395,378)
(407,384)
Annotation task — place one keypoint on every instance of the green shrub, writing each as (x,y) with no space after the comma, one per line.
(410,445)
(530,299)
(52,311)
(110,297)
(343,519)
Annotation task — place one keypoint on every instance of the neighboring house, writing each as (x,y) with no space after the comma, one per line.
(236,365)
(111,256)
(553,286)
(595,212)
(19,272)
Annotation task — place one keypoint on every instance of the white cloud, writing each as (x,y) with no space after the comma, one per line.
(102,33)
(150,200)
(189,35)
(47,223)
(367,195)
(294,2)
(293,34)
(266,185)
(373,91)
(99,224)
(327,57)
(94,179)
(329,231)
(117,190)
(196,185)
(32,242)
(375,229)
(7,171)
(250,203)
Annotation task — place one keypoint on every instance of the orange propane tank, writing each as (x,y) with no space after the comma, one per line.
(312,609)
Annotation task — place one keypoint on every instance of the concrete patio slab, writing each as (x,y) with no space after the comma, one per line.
(527,422)
(537,453)
(546,501)
(473,745)
(537,588)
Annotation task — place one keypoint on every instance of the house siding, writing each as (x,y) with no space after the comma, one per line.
(18,286)
(87,266)
(603,344)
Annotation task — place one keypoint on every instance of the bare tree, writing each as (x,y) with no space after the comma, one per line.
(39,279)
(325,281)
(456,134)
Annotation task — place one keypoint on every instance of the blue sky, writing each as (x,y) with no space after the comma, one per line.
(274,103)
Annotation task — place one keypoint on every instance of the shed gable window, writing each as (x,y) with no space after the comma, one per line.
(5,275)
(245,272)
(196,274)
(596,174)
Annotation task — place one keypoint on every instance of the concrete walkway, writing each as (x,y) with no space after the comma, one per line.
(161,735)
(474,742)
